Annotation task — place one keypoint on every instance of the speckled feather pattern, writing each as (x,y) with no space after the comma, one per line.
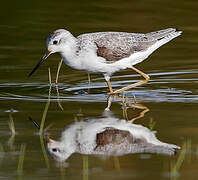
(114,46)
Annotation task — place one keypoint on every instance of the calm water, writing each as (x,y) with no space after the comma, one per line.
(170,97)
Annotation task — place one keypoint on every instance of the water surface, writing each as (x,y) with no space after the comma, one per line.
(171,95)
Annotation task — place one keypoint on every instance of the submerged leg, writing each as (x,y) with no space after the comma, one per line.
(135,84)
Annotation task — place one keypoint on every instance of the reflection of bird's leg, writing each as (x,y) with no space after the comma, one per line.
(108,103)
(135,84)
(135,105)
(116,163)
(142,113)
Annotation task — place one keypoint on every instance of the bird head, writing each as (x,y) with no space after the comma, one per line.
(58,150)
(58,41)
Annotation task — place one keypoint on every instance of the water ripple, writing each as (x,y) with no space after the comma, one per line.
(167,87)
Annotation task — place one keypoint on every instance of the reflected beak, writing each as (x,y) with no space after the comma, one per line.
(40,62)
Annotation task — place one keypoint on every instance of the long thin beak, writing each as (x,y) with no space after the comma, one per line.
(40,62)
(46,135)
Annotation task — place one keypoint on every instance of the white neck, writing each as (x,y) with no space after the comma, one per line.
(69,54)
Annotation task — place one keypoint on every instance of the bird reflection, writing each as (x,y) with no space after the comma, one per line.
(128,103)
(106,135)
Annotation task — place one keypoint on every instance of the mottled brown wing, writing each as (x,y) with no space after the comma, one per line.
(115,46)
(116,137)
(112,136)
(112,54)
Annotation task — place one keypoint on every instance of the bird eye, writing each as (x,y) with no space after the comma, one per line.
(55,42)
(54,150)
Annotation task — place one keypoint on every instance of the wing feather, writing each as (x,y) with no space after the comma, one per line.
(114,46)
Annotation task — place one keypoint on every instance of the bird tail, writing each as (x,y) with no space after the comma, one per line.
(169,33)
(162,37)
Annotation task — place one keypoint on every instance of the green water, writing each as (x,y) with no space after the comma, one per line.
(171,95)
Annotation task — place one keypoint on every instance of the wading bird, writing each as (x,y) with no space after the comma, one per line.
(107,52)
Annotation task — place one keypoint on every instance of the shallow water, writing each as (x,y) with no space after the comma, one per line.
(171,96)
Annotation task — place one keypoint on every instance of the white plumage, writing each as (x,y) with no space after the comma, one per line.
(106,52)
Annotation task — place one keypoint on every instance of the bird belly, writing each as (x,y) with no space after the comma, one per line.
(88,62)
(92,63)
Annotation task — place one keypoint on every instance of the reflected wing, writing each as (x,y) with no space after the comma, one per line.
(118,142)
(112,136)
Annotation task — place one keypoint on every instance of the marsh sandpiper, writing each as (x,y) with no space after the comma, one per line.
(107,52)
